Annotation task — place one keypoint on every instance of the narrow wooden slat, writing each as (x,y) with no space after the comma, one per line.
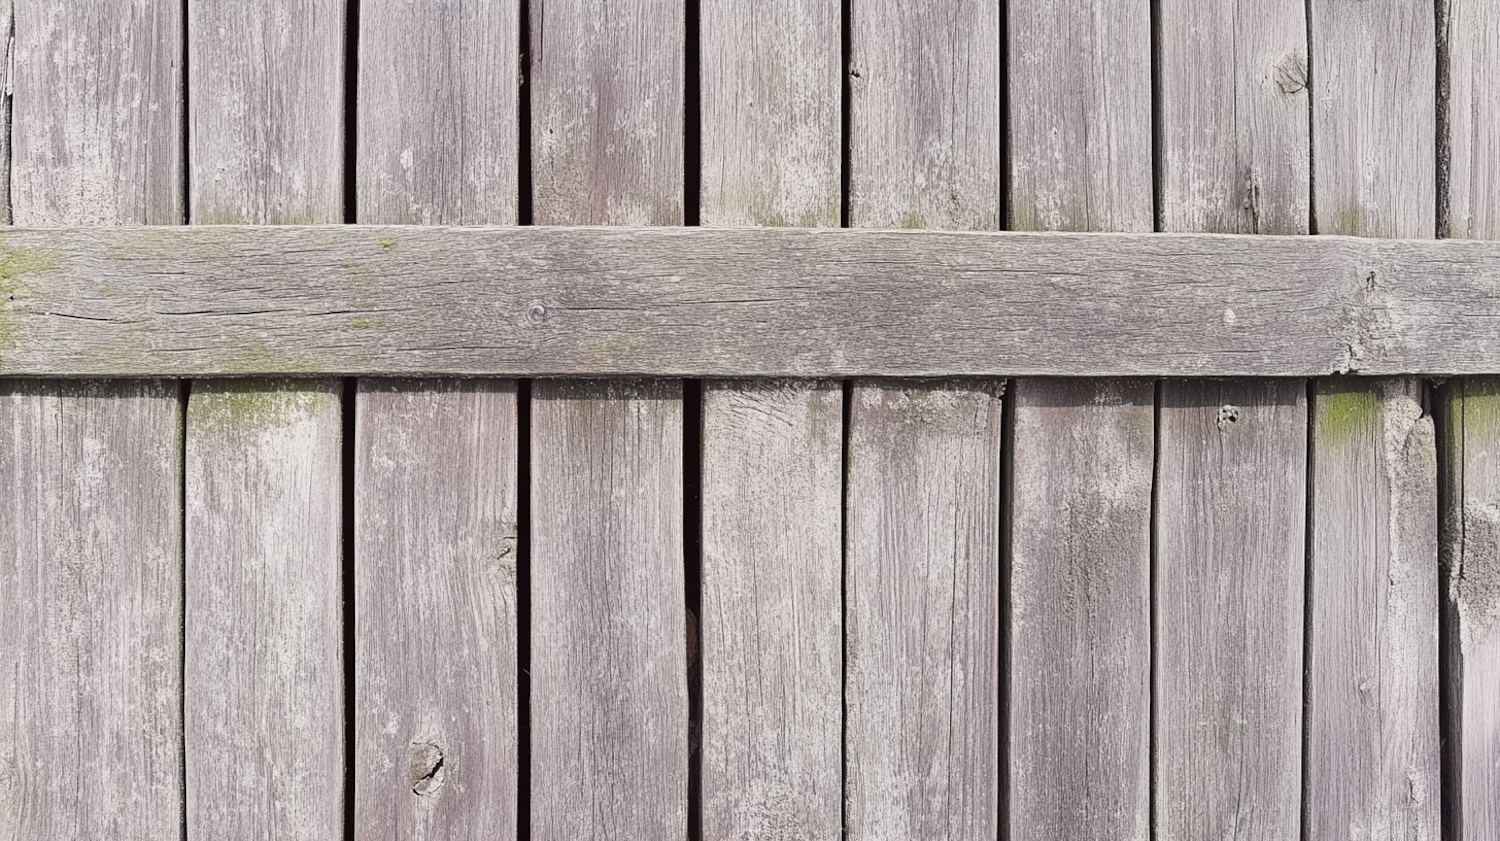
(1471,561)
(1228,576)
(608,673)
(91,579)
(771,639)
(264,657)
(264,676)
(435,597)
(1373,760)
(923,618)
(1235,159)
(91,557)
(1469,115)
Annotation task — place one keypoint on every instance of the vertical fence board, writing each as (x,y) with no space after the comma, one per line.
(436,461)
(264,647)
(771,642)
(1373,761)
(608,671)
(1471,118)
(91,559)
(1228,577)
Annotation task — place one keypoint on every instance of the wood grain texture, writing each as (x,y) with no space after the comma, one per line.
(1471,564)
(98,113)
(1374,117)
(438,102)
(1080,137)
(1080,618)
(1235,150)
(1229,580)
(771,636)
(435,609)
(924,115)
(266,122)
(609,714)
(1373,626)
(91,579)
(1469,118)
(264,694)
(922,593)
(7,105)
(607,112)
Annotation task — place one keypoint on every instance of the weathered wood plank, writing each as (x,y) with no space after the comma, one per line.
(924,118)
(438,103)
(1372,654)
(1471,562)
(608,674)
(923,610)
(7,107)
(1080,617)
(771,636)
(1229,578)
(412,300)
(1469,118)
(91,580)
(435,609)
(264,697)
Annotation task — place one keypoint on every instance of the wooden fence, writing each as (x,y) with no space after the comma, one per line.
(1112,506)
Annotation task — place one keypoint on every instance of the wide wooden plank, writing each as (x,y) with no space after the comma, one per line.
(435,609)
(1471,565)
(608,673)
(1080,617)
(409,300)
(771,636)
(1229,578)
(90,635)
(922,592)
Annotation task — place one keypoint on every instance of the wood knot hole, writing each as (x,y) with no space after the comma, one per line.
(1228,416)
(424,768)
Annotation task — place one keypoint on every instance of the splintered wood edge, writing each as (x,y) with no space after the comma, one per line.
(694,302)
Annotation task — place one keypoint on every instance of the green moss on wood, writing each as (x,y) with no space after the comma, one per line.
(229,405)
(17,264)
(1347,410)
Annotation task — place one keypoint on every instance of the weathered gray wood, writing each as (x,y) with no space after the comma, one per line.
(924,118)
(97,113)
(771,636)
(1229,579)
(438,96)
(7,105)
(1372,644)
(608,674)
(1233,109)
(922,591)
(435,609)
(91,581)
(1469,118)
(264,699)
(266,122)
(680,302)
(1080,618)
(771,113)
(1078,137)
(607,112)
(1471,561)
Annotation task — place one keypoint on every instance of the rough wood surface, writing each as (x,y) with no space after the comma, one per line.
(266,120)
(1471,563)
(1469,118)
(1229,578)
(7,106)
(771,113)
(1080,139)
(438,101)
(607,112)
(609,723)
(91,579)
(97,112)
(924,115)
(1373,625)
(264,700)
(435,609)
(771,638)
(922,592)
(1080,618)
(1233,112)
(408,300)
